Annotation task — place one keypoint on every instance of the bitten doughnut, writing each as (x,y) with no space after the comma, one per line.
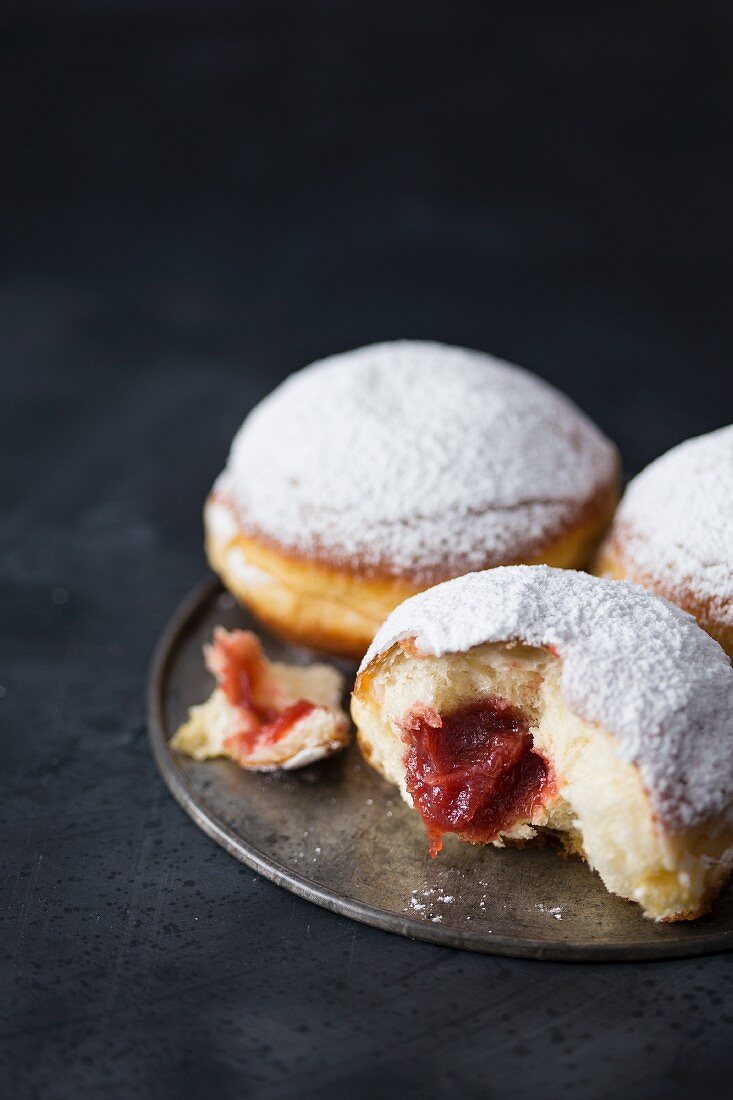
(526,700)
(374,474)
(264,714)
(673,532)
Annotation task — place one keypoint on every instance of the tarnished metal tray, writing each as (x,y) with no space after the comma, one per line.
(337,834)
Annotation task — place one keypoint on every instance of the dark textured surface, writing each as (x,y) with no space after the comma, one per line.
(196,199)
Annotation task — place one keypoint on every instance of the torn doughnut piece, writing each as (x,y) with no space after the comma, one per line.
(264,714)
(525,701)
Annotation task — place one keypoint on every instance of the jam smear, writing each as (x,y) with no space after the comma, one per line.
(473,771)
(236,660)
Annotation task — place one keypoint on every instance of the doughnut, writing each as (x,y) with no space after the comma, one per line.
(673,532)
(525,702)
(371,475)
(264,714)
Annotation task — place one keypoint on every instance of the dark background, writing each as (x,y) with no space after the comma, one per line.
(195,200)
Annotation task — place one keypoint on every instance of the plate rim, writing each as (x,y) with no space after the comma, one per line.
(387,920)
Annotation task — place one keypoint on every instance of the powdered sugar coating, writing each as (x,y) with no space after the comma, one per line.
(415,458)
(633,664)
(674,526)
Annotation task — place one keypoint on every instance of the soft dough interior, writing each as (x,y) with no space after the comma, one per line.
(598,805)
(320,732)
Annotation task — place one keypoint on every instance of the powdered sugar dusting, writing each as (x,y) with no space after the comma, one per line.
(632,663)
(423,902)
(553,910)
(675,523)
(419,458)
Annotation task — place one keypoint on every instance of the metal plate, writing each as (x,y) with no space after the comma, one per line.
(337,834)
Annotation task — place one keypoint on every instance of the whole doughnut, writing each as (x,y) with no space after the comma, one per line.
(372,474)
(673,532)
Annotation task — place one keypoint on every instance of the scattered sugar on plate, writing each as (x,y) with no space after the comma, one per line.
(553,910)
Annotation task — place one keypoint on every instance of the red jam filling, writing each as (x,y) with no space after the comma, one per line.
(472,772)
(236,660)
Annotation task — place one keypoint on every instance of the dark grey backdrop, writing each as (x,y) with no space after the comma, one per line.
(196,199)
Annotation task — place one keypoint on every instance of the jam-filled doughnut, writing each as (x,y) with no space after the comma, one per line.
(673,532)
(373,474)
(525,700)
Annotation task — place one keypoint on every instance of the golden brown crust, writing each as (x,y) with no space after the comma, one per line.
(322,607)
(366,751)
(336,607)
(612,562)
(571,544)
